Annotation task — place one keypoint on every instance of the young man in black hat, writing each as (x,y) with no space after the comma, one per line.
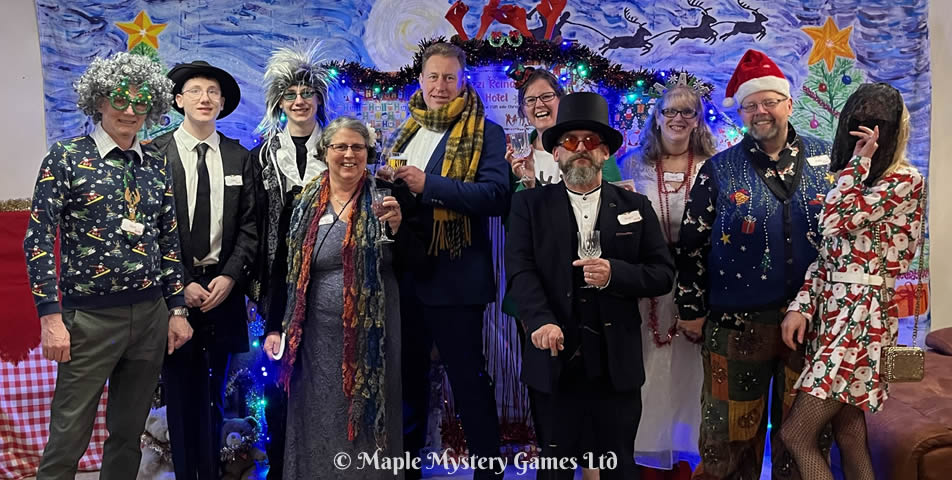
(214,201)
(579,255)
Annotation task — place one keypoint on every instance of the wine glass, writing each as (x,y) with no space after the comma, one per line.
(378,195)
(589,246)
(521,148)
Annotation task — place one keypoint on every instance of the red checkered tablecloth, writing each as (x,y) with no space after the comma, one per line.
(26,391)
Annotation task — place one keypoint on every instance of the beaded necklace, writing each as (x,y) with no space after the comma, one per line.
(664,206)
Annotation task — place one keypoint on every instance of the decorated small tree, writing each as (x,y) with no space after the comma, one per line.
(833,78)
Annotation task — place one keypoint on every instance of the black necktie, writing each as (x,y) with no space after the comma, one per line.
(201,223)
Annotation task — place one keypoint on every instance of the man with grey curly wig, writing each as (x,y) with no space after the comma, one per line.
(116,307)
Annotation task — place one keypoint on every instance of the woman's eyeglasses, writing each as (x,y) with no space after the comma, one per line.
(687,113)
(342,147)
(545,98)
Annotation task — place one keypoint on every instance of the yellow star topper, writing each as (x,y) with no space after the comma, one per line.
(829,42)
(142,30)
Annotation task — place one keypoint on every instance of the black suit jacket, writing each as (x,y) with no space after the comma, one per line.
(539,267)
(239,240)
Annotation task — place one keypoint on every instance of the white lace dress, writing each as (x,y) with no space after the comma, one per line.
(671,395)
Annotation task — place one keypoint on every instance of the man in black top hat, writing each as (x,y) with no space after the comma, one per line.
(214,201)
(579,255)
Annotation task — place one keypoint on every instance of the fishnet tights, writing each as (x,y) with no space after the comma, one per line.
(801,430)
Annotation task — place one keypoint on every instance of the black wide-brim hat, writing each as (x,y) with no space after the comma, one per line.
(229,87)
(583,111)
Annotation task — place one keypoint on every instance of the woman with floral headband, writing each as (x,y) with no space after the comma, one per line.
(674,144)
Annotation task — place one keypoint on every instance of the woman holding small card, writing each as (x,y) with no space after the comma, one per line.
(673,145)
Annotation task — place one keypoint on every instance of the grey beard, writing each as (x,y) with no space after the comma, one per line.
(579,175)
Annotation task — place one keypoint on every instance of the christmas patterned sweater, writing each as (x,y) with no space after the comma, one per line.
(749,230)
(83,194)
(849,328)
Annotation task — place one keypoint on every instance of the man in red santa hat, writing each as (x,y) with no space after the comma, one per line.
(748,235)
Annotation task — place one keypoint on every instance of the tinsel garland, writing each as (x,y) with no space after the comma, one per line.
(596,68)
(238,381)
(15,205)
(162,449)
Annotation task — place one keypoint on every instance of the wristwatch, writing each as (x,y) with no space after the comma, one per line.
(179,311)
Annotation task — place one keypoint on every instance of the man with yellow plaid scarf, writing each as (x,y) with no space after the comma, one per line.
(458,175)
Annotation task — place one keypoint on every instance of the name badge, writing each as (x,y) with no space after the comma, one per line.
(819,160)
(629,217)
(327,219)
(233,180)
(132,227)
(674,177)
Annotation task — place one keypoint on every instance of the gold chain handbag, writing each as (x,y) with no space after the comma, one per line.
(905,363)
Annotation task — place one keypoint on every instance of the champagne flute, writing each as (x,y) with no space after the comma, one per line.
(377,198)
(392,161)
(589,246)
(521,148)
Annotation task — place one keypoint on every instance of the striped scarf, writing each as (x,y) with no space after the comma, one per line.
(363,367)
(466,117)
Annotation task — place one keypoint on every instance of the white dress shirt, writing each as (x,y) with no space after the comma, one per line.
(105,143)
(421,147)
(585,206)
(186,144)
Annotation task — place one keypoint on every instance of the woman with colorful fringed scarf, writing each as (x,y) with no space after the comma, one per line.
(341,364)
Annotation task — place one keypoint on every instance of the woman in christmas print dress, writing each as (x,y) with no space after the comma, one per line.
(843,310)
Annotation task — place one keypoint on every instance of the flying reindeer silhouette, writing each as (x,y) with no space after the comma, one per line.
(638,40)
(705,30)
(753,27)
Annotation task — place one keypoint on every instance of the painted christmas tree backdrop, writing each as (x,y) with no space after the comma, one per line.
(833,78)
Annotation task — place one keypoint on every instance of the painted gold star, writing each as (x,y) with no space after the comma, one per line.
(725,238)
(142,30)
(829,42)
(830,178)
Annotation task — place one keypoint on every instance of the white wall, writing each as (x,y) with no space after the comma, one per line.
(22,129)
(940,171)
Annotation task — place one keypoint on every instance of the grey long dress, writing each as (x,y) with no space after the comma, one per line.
(317,407)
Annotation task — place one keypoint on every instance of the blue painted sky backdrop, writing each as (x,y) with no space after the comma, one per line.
(889,38)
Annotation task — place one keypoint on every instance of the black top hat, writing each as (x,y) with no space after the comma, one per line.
(229,87)
(582,111)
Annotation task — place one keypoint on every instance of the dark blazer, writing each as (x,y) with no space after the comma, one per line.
(239,240)
(469,279)
(539,267)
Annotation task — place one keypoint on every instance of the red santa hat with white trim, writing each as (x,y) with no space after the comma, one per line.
(755,72)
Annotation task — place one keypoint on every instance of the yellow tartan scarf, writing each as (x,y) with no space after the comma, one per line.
(466,119)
